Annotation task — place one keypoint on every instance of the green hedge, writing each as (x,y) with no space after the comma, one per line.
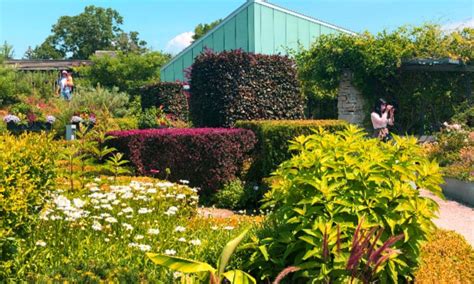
(273,140)
(236,85)
(170,95)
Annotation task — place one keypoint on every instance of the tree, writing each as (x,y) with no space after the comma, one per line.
(202,29)
(127,71)
(6,51)
(78,37)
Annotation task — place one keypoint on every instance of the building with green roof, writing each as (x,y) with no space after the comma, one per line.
(257,26)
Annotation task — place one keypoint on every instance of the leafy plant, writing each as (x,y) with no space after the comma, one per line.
(27,173)
(210,274)
(324,191)
(231,196)
(149,118)
(115,165)
(100,99)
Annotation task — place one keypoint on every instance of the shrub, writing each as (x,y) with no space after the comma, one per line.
(169,95)
(446,258)
(27,172)
(152,118)
(235,85)
(8,91)
(334,182)
(207,157)
(98,99)
(127,71)
(126,123)
(273,138)
(231,196)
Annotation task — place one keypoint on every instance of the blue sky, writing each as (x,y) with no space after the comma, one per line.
(167,24)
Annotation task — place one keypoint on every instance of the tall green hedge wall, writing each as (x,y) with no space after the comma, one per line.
(236,85)
(273,139)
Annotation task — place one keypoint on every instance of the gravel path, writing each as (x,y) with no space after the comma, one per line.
(454,216)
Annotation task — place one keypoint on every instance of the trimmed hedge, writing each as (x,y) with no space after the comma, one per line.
(446,258)
(236,85)
(207,157)
(273,139)
(170,95)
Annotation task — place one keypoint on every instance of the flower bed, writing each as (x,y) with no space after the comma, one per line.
(104,231)
(207,157)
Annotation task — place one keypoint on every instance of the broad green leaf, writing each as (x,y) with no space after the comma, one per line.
(263,250)
(239,277)
(180,264)
(227,252)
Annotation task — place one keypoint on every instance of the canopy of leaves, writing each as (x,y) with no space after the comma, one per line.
(375,61)
(127,71)
(79,36)
(6,51)
(202,29)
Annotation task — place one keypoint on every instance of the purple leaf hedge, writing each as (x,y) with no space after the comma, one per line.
(207,157)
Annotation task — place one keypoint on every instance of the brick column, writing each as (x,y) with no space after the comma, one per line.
(350,103)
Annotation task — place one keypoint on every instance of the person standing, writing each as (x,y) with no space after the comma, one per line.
(65,86)
(382,115)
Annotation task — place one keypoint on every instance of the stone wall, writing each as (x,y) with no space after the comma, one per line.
(350,103)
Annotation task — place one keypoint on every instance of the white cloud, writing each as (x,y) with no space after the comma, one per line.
(179,42)
(453,26)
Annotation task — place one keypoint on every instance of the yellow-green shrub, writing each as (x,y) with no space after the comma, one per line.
(27,170)
(447,258)
(332,183)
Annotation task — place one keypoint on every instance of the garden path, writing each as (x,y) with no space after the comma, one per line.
(454,216)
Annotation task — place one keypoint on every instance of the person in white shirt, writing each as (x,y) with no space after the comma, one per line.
(382,115)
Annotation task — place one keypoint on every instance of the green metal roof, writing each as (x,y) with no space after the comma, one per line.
(256,26)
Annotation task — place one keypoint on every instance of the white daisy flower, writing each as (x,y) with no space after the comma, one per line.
(153,231)
(128,227)
(195,242)
(179,229)
(40,243)
(111,220)
(78,203)
(170,252)
(96,226)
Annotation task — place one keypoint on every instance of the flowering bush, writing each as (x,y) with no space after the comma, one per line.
(207,157)
(454,149)
(11,119)
(102,233)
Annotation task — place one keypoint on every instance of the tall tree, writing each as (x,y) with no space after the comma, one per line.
(6,51)
(202,29)
(78,37)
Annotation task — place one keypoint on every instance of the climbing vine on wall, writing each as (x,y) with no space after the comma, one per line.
(423,98)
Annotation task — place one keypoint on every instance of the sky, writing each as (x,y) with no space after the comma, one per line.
(167,25)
